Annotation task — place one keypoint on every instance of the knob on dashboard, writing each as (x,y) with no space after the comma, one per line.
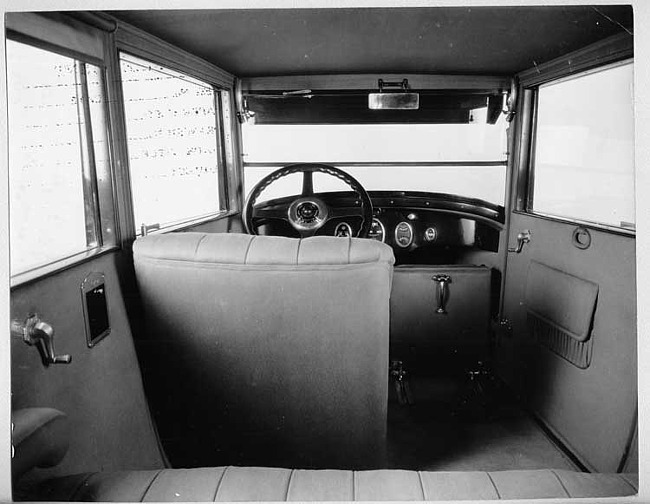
(430,234)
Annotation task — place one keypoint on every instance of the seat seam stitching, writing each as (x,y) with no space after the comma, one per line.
(298,251)
(83,482)
(223,475)
(146,490)
(165,261)
(494,485)
(557,476)
(286,495)
(354,486)
(250,242)
(198,244)
(424,495)
(349,248)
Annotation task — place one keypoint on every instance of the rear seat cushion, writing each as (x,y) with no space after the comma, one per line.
(271,484)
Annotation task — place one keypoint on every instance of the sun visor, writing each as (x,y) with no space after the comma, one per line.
(351,107)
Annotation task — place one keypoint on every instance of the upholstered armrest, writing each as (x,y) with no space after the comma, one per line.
(40,439)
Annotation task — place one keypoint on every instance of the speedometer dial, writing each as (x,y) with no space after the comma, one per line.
(404,234)
(377,231)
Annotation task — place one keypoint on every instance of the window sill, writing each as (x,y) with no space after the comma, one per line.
(630,233)
(181,226)
(55,267)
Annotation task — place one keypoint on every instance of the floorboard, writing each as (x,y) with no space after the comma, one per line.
(486,432)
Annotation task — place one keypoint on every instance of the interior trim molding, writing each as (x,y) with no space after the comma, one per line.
(370,81)
(135,41)
(609,50)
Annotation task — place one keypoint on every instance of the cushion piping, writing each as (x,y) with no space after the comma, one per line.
(223,475)
(494,485)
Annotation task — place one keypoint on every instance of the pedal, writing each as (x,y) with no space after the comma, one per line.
(402,386)
(476,400)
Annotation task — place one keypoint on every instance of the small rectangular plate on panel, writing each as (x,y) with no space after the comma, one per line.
(93,299)
(393,101)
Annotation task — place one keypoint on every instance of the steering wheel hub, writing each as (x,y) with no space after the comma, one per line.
(307,213)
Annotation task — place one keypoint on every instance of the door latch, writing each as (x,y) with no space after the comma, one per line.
(522,239)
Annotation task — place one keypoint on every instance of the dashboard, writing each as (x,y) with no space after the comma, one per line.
(420,227)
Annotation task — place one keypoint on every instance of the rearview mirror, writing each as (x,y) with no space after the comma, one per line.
(393,100)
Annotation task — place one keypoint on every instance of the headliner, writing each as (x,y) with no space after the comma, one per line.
(441,40)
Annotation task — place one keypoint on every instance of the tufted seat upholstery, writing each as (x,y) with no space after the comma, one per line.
(271,484)
(269,348)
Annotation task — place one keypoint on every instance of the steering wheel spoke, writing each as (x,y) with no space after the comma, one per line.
(270,213)
(307,233)
(307,183)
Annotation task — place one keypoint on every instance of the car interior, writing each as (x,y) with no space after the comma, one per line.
(323,253)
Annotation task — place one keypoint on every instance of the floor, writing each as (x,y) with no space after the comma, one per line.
(486,432)
(448,427)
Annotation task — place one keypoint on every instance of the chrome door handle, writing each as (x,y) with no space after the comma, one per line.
(522,239)
(442,291)
(37,333)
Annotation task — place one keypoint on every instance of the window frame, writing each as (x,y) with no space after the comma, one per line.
(217,98)
(97,196)
(611,52)
(131,41)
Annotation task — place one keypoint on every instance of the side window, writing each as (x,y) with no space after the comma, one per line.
(173,132)
(584,148)
(59,173)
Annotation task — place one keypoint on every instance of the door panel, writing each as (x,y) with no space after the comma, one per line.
(592,410)
(101,389)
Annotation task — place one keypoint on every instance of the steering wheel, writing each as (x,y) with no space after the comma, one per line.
(307,213)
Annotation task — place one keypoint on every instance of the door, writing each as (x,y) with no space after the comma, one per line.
(570,294)
(62,234)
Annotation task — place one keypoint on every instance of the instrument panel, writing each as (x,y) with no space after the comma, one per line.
(422,228)
(416,230)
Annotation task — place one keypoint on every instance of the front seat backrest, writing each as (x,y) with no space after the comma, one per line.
(267,350)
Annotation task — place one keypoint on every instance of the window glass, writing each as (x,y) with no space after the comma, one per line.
(53,202)
(397,157)
(172,141)
(482,182)
(338,143)
(584,149)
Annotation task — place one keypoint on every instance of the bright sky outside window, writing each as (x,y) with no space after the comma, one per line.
(403,150)
(584,148)
(172,141)
(52,207)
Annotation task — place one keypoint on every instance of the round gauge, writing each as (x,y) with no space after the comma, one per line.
(343,229)
(377,231)
(404,234)
(430,234)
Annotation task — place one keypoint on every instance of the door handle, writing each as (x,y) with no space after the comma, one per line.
(37,333)
(442,291)
(522,239)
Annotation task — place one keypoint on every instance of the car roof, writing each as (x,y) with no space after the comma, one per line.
(440,40)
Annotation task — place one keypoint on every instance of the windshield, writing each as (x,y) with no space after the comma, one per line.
(463,159)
